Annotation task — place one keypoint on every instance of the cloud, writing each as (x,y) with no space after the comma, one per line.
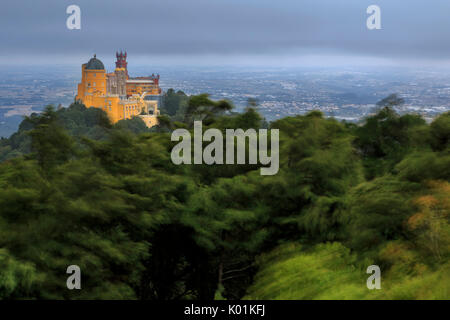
(414,29)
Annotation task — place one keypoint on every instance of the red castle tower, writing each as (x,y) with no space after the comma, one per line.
(121,60)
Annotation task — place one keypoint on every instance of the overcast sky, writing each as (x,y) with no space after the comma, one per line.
(221,30)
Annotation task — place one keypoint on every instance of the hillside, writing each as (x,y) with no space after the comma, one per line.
(76,190)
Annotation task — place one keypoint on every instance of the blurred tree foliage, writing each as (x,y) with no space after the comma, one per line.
(75,189)
(174,103)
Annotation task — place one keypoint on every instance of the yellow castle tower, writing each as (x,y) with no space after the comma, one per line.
(120,96)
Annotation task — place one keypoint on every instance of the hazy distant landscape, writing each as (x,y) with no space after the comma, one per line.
(344,93)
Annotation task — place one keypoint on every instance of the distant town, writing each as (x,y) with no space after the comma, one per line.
(349,94)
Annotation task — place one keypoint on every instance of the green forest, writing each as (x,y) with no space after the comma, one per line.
(77,190)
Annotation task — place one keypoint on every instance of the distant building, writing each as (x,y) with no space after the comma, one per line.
(120,96)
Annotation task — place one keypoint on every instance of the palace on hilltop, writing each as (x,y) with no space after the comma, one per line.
(119,95)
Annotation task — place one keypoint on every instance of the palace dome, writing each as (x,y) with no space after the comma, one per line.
(95,64)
